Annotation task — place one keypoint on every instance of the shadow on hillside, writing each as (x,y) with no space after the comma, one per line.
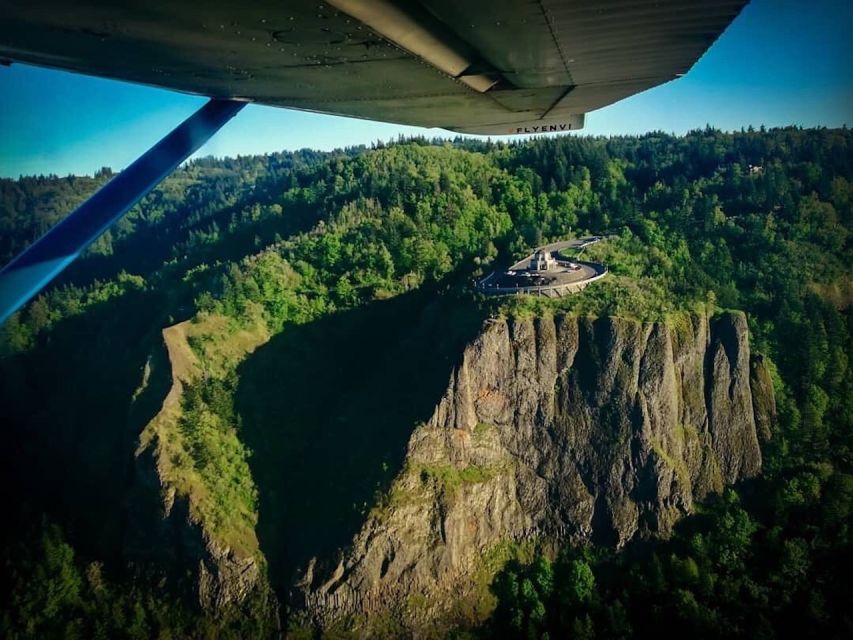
(69,422)
(327,409)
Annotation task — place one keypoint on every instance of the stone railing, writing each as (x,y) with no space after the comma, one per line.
(553,290)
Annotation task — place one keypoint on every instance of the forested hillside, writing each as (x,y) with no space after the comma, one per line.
(353,270)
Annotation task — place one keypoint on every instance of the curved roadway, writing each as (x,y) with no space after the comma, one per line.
(554,283)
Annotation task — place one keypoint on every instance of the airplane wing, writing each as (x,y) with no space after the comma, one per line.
(474,66)
(487,67)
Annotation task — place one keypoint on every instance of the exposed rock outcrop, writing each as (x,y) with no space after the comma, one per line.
(553,429)
(559,429)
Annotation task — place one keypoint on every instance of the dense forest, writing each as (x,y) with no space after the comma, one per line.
(291,244)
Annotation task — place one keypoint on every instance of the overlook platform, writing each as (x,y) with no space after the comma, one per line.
(547,272)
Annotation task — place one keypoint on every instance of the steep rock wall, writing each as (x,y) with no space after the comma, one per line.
(558,429)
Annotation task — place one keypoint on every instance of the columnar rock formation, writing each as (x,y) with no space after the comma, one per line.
(560,429)
(554,429)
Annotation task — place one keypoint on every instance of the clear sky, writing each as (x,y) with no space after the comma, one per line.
(781,62)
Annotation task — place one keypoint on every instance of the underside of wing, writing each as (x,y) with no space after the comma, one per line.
(496,67)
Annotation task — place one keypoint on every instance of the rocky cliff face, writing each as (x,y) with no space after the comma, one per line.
(558,429)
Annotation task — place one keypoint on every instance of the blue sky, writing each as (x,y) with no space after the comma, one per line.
(781,62)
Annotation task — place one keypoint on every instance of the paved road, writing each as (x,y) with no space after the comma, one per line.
(556,248)
(553,283)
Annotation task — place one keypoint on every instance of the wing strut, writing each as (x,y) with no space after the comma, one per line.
(42,261)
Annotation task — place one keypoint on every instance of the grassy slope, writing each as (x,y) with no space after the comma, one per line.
(221,493)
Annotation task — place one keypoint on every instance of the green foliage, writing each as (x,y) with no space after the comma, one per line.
(758,221)
(725,573)
(56,595)
(774,242)
(210,428)
(482,428)
(522,592)
(450,479)
(44,312)
(580,584)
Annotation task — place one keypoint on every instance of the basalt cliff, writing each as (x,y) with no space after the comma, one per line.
(552,429)
(556,430)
